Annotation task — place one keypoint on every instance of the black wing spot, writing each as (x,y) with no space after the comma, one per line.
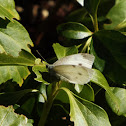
(73,65)
(80,73)
(80,64)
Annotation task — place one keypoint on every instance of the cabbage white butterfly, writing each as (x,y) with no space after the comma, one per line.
(75,68)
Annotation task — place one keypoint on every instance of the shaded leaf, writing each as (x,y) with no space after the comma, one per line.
(117,15)
(77,15)
(110,46)
(98,62)
(120,93)
(86,114)
(91,6)
(86,93)
(7,10)
(61,51)
(74,30)
(11,98)
(8,117)
(29,105)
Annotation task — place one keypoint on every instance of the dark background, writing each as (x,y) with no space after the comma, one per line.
(40,18)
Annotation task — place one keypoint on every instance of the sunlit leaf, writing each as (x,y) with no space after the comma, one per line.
(86,114)
(16,73)
(99,79)
(38,70)
(120,93)
(117,15)
(13,38)
(61,51)
(8,117)
(7,10)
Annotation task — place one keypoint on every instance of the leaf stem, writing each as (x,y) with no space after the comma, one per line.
(95,23)
(48,103)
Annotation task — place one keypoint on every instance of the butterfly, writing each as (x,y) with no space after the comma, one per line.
(74,68)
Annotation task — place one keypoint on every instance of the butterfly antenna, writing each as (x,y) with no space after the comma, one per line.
(41,55)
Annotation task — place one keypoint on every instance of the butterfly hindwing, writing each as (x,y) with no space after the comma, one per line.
(73,73)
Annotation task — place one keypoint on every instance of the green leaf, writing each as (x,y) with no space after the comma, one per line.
(29,105)
(25,59)
(100,80)
(13,38)
(77,15)
(117,15)
(86,114)
(110,46)
(120,93)
(11,98)
(16,73)
(91,6)
(86,93)
(61,51)
(74,30)
(7,10)
(98,62)
(78,87)
(38,70)
(8,117)
(43,96)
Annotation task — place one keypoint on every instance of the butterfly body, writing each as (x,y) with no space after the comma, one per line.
(75,68)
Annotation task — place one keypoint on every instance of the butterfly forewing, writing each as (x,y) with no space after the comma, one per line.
(73,73)
(80,59)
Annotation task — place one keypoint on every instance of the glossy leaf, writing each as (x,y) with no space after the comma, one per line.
(117,15)
(61,51)
(86,114)
(98,78)
(120,93)
(11,98)
(8,117)
(74,30)
(7,10)
(110,47)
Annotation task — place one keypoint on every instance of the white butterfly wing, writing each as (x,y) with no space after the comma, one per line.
(80,59)
(73,74)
